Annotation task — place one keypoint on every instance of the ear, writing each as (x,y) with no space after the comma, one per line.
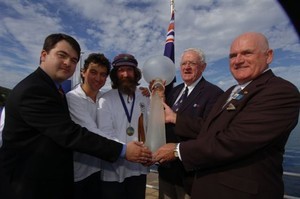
(43,55)
(270,56)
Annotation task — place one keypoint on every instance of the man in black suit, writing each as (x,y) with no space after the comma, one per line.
(239,150)
(174,181)
(39,136)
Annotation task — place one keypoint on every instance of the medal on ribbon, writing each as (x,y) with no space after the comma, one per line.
(129,129)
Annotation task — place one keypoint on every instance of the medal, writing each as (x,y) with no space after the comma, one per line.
(130,130)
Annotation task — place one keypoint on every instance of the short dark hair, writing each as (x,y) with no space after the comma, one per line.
(53,39)
(115,81)
(97,58)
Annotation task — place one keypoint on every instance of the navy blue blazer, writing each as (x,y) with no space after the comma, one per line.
(197,105)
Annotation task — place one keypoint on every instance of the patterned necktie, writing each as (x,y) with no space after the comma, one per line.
(184,95)
(233,94)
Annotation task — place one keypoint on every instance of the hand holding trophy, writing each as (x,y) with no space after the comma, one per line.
(157,70)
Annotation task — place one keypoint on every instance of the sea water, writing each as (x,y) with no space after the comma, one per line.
(291,163)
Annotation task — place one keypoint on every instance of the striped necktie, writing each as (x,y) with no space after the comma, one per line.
(184,95)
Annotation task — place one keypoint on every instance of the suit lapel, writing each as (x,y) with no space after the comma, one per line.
(234,105)
(191,98)
(44,77)
(174,94)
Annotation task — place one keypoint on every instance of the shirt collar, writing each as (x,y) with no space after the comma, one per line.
(192,86)
(83,95)
(246,84)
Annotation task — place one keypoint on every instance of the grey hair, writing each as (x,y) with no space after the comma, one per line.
(198,51)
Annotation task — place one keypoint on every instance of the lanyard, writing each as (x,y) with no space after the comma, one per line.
(125,107)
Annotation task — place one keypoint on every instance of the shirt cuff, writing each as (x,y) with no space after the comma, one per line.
(178,149)
(123,152)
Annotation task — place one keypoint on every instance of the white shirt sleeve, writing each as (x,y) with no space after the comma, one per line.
(1,124)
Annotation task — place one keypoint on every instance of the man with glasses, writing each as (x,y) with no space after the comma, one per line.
(194,98)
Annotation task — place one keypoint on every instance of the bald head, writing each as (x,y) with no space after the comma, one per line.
(249,56)
(258,39)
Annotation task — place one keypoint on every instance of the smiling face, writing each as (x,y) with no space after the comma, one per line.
(126,78)
(60,62)
(94,77)
(249,57)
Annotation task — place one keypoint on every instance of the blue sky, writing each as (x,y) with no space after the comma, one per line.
(139,27)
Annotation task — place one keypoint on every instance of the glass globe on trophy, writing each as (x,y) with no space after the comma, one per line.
(158,69)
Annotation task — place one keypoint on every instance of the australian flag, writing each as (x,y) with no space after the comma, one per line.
(169,48)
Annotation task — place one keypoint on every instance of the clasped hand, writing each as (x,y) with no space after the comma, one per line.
(138,152)
(165,153)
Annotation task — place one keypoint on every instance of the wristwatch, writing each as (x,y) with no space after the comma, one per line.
(176,151)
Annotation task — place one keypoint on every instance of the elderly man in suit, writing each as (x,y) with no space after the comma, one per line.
(39,136)
(239,150)
(194,98)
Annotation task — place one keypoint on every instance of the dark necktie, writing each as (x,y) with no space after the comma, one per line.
(184,95)
(61,91)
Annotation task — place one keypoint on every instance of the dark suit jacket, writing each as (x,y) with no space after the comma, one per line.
(39,138)
(239,150)
(198,104)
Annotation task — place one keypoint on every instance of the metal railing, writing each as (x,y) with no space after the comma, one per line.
(293,175)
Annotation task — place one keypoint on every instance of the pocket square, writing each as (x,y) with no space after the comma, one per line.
(230,107)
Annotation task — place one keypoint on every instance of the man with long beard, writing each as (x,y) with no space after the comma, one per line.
(118,115)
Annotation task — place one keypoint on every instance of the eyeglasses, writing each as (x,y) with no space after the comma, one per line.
(190,63)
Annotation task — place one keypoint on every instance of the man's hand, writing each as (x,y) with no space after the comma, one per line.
(145,91)
(137,152)
(170,115)
(165,153)
(158,88)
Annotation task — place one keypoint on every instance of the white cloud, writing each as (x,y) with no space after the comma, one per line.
(289,73)
(139,27)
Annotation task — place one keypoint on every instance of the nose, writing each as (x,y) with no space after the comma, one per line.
(97,77)
(239,58)
(125,73)
(68,62)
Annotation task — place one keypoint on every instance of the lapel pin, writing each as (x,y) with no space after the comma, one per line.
(230,107)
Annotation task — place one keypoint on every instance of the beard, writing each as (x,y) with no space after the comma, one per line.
(127,86)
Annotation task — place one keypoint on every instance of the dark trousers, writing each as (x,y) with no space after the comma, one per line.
(131,188)
(88,188)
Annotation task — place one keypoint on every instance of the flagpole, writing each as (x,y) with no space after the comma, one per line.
(172,3)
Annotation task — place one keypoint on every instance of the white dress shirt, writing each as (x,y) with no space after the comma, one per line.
(190,87)
(112,119)
(83,111)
